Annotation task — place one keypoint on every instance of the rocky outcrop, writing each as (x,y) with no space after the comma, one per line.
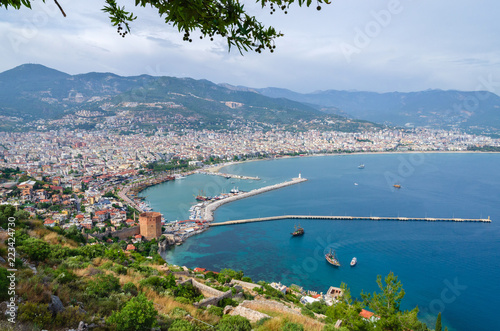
(56,306)
(250,314)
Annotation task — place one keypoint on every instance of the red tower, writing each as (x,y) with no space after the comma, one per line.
(150,225)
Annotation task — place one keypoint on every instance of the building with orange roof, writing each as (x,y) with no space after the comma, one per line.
(368,315)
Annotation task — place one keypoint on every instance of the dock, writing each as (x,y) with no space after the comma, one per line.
(352,218)
(208,211)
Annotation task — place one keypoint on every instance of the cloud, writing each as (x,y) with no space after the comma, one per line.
(426,44)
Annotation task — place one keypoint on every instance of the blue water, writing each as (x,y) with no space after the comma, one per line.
(445,267)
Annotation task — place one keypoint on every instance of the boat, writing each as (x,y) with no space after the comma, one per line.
(298,231)
(397,186)
(354,261)
(361,166)
(332,258)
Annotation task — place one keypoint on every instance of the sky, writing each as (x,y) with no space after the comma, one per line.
(370,45)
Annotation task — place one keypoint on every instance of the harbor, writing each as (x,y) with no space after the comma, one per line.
(208,210)
(351,218)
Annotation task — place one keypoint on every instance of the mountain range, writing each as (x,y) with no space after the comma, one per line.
(30,92)
(434,108)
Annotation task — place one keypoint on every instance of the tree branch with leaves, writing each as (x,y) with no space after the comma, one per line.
(226,18)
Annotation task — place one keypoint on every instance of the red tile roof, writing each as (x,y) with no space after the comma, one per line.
(366,314)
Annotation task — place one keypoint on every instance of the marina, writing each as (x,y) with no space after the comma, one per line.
(208,210)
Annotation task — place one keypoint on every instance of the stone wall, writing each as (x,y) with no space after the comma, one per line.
(214,300)
(250,314)
(121,234)
(214,295)
(246,285)
(206,290)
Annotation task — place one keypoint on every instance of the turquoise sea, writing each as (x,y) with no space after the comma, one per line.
(447,267)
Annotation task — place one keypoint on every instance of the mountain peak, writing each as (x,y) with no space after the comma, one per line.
(32,72)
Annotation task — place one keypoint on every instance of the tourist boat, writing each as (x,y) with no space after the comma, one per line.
(354,261)
(298,231)
(235,190)
(397,186)
(332,259)
(361,166)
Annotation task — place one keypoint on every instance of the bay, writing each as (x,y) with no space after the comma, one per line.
(445,267)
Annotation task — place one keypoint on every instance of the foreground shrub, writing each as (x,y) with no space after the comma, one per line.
(181,325)
(103,285)
(227,302)
(158,283)
(233,323)
(130,288)
(290,326)
(214,310)
(178,312)
(189,292)
(4,284)
(138,314)
(70,317)
(37,313)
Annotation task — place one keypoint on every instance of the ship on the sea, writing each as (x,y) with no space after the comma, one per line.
(361,166)
(397,186)
(332,258)
(354,261)
(299,231)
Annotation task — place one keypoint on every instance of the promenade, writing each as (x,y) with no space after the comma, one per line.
(208,211)
(351,218)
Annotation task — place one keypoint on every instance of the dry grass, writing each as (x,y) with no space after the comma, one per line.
(280,317)
(51,238)
(98,261)
(277,323)
(165,304)
(34,291)
(89,271)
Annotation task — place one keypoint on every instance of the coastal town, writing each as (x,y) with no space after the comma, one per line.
(91,179)
(86,184)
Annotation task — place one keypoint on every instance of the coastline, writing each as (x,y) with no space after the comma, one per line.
(215,169)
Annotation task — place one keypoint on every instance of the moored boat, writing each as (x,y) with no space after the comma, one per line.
(332,258)
(298,231)
(354,261)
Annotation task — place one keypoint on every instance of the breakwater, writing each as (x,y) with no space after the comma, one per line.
(351,218)
(227,175)
(208,211)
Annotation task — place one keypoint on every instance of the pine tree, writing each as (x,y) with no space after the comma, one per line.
(438,323)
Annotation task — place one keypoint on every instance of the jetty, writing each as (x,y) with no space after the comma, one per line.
(227,175)
(208,210)
(351,218)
